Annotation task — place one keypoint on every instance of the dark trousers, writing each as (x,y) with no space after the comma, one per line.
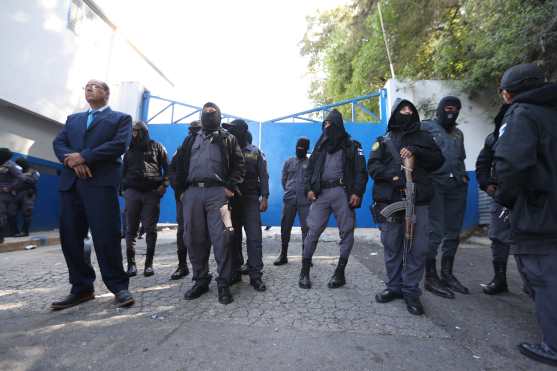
(406,281)
(181,250)
(207,222)
(144,207)
(335,201)
(289,211)
(500,234)
(6,200)
(540,274)
(83,207)
(446,214)
(246,215)
(23,203)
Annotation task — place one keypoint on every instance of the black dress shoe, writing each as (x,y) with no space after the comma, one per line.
(132,270)
(244,269)
(124,299)
(225,297)
(198,289)
(180,272)
(539,352)
(236,278)
(258,284)
(387,295)
(414,305)
(72,300)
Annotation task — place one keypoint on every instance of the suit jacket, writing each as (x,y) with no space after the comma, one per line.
(101,145)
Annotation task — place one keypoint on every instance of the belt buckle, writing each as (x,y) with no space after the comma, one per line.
(201,184)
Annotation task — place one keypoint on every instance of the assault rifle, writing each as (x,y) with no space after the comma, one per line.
(408,205)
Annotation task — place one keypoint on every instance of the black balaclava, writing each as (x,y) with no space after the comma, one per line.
(335,134)
(23,164)
(249,137)
(142,139)
(238,128)
(5,155)
(195,126)
(210,121)
(448,119)
(302,147)
(400,122)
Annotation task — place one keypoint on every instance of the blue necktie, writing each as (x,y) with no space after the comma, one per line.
(90,117)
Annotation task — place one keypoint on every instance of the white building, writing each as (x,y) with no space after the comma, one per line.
(50,49)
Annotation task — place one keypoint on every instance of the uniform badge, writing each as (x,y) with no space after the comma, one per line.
(375,146)
(502,129)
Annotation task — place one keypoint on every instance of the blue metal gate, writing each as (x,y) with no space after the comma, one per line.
(276,137)
(365,119)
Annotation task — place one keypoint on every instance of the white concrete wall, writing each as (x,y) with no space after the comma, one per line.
(26,133)
(45,64)
(475,119)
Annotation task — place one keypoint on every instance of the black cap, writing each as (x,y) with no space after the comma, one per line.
(5,155)
(195,124)
(522,77)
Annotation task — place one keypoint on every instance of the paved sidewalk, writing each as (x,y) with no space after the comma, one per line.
(282,328)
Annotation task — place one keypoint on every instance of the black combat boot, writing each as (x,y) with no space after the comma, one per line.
(338,279)
(283,257)
(199,288)
(225,296)
(25,227)
(499,282)
(304,281)
(432,282)
(148,271)
(182,270)
(132,270)
(448,278)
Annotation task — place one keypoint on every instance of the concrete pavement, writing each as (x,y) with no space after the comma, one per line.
(282,328)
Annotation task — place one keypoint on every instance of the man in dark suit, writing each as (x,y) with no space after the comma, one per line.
(90,146)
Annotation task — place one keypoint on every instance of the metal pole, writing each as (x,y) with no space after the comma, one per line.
(385,40)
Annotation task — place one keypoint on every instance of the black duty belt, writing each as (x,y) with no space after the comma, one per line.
(205,183)
(332,183)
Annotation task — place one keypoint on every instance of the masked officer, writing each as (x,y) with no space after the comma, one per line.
(10,176)
(404,139)
(499,226)
(335,181)
(145,178)
(210,170)
(182,250)
(26,195)
(247,206)
(294,199)
(525,156)
(446,210)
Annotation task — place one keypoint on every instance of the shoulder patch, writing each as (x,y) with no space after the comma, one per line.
(375,146)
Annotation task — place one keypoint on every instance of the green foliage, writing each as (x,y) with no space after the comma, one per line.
(473,41)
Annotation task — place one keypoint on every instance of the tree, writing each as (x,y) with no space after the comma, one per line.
(472,41)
